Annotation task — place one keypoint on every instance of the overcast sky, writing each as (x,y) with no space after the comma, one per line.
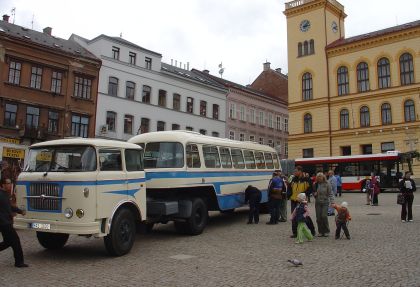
(242,34)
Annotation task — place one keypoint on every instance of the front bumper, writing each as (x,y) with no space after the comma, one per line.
(88,228)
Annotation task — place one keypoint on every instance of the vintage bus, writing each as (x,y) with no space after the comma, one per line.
(188,174)
(89,187)
(353,170)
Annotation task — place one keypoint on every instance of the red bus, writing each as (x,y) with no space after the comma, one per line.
(389,166)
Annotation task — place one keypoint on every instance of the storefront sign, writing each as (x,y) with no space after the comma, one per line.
(13,152)
(9,140)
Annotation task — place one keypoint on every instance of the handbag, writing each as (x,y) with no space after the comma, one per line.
(400,199)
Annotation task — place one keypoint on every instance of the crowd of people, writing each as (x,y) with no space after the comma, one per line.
(324,187)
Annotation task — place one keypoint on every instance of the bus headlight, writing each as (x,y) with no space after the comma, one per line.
(86,192)
(68,213)
(80,213)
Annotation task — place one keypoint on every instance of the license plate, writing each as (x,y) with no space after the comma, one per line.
(45,226)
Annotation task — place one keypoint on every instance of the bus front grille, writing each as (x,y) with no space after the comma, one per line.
(44,196)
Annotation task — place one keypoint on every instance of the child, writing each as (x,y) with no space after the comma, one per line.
(342,218)
(300,213)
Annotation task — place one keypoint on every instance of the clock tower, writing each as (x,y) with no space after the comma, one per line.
(311,26)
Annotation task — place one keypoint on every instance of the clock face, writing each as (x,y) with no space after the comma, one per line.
(334,27)
(305,25)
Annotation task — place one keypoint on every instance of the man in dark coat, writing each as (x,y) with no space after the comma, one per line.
(10,236)
(253,196)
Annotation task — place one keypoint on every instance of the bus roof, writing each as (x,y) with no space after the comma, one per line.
(87,141)
(350,158)
(194,137)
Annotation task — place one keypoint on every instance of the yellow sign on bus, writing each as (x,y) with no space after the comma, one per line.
(44,156)
(13,152)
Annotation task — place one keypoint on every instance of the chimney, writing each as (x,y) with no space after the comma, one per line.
(47,30)
(6,18)
(206,71)
(188,66)
(278,70)
(266,66)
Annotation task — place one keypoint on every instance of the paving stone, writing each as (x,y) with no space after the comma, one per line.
(382,251)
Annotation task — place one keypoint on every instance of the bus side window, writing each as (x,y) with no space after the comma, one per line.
(276,161)
(269,160)
(225,157)
(193,156)
(259,157)
(133,160)
(211,157)
(249,159)
(110,160)
(238,159)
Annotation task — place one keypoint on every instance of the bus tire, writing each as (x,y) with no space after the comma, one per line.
(52,240)
(121,237)
(198,219)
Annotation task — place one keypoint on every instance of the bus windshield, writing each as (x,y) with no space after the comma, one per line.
(61,158)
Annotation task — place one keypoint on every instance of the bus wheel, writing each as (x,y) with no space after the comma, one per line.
(121,237)
(198,219)
(52,240)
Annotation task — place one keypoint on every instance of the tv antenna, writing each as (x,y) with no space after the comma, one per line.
(221,69)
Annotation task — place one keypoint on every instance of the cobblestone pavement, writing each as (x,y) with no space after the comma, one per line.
(383,251)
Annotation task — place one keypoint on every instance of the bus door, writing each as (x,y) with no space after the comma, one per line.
(111,181)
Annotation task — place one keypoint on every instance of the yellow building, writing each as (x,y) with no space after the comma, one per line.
(350,96)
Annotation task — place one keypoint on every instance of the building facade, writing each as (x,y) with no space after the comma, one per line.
(253,115)
(350,96)
(48,89)
(138,93)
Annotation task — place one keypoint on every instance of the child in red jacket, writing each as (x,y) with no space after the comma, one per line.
(342,218)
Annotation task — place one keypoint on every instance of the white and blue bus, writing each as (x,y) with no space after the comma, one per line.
(188,174)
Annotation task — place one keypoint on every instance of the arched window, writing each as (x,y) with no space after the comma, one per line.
(384,74)
(147,91)
(307,123)
(386,114)
(113,86)
(305,48)
(362,77)
(364,117)
(130,90)
(344,119)
(300,49)
(409,111)
(311,47)
(343,81)
(406,69)
(307,86)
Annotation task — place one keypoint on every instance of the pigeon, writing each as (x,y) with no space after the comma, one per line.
(295,262)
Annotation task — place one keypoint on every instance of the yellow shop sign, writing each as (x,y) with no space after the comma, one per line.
(13,152)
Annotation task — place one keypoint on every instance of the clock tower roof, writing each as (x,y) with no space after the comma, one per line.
(383,32)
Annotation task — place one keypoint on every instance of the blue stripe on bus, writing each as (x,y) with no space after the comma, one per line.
(130,192)
(193,174)
(231,201)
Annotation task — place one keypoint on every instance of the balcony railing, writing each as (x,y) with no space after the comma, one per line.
(297,3)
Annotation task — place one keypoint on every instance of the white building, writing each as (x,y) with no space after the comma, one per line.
(138,93)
